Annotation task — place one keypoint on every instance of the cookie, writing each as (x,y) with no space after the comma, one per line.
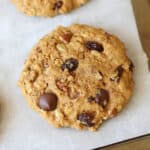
(77,77)
(47,7)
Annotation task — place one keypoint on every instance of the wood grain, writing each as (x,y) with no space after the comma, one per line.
(142,143)
(142,13)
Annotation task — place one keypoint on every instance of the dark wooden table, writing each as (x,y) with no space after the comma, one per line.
(142,13)
(141,143)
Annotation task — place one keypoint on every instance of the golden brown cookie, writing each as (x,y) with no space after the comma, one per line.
(77,77)
(47,7)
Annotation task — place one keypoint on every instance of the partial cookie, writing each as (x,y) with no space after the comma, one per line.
(77,77)
(47,7)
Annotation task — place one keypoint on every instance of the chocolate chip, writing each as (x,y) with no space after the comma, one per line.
(131,66)
(57,5)
(119,71)
(86,119)
(70,64)
(94,46)
(48,102)
(102,97)
(91,99)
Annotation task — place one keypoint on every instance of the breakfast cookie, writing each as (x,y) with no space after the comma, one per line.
(77,77)
(47,7)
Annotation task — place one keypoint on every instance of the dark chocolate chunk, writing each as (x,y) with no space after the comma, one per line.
(70,64)
(48,102)
(90,45)
(102,97)
(86,119)
(91,99)
(119,71)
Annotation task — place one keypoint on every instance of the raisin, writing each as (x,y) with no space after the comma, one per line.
(119,71)
(70,64)
(91,99)
(86,119)
(102,97)
(90,45)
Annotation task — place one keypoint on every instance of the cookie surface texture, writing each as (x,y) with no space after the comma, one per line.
(77,77)
(47,7)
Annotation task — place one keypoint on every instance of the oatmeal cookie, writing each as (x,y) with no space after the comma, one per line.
(77,77)
(47,7)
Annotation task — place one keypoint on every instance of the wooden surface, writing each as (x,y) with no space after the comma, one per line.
(142,13)
(142,143)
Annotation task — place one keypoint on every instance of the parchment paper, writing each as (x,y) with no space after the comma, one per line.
(23,129)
